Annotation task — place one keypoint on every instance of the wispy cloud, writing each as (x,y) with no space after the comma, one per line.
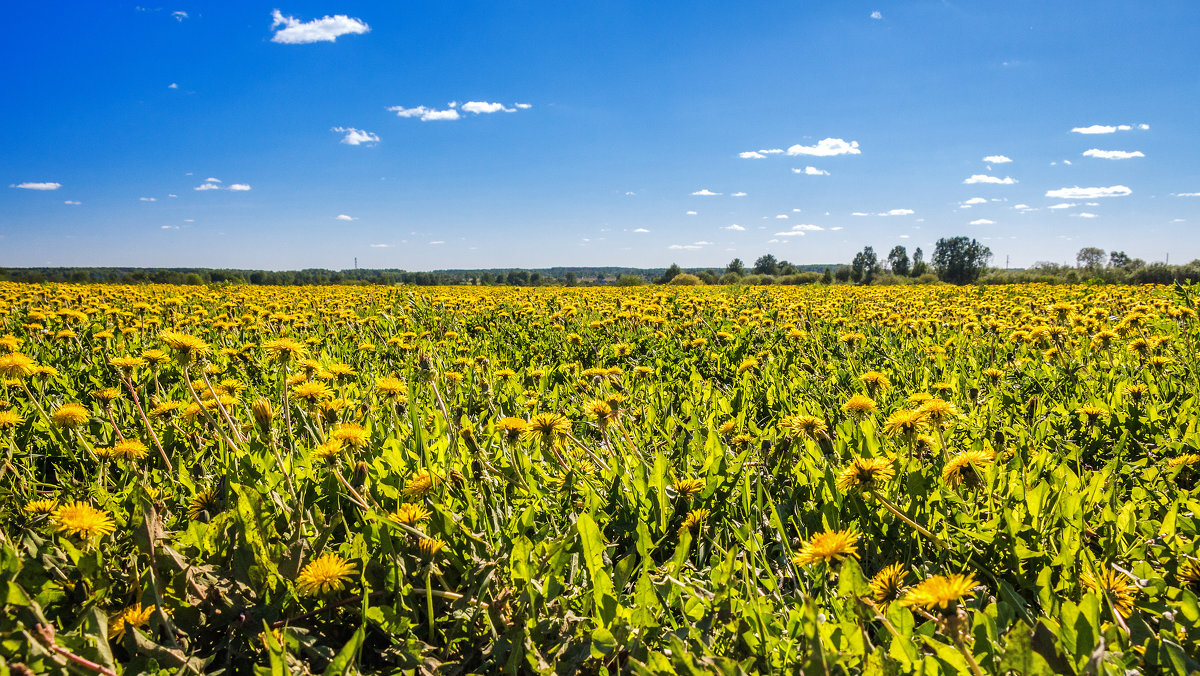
(437,242)
(239,187)
(738,194)
(1077,193)
(73,203)
(1108,128)
(982,221)
(997,159)
(799,230)
(356,137)
(483,107)
(147,199)
(1187,194)
(876,14)
(984,178)
(173,85)
(1084,214)
(752,155)
(1062,205)
(826,148)
(811,171)
(735,227)
(973,201)
(325,29)
(345,217)
(690,247)
(898,212)
(168,227)
(383,246)
(690,213)
(207,186)
(1113,154)
(705,192)
(450,112)
(34,185)
(179,15)
(426,114)
(640,230)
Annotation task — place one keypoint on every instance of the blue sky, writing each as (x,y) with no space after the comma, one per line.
(424,135)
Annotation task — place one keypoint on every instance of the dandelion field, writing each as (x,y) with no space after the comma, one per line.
(561,480)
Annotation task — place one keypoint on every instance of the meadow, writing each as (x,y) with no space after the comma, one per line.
(648,480)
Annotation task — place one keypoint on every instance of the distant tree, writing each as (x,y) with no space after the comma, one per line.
(865,265)
(736,267)
(919,267)
(599,276)
(766,265)
(570,279)
(898,261)
(960,260)
(786,268)
(1118,260)
(709,277)
(1090,258)
(685,279)
(630,280)
(670,274)
(827,278)
(842,274)
(518,278)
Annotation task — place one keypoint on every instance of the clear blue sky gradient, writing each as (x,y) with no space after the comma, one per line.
(633,106)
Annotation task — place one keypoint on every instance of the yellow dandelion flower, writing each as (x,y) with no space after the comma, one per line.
(391,388)
(420,484)
(70,416)
(284,350)
(874,380)
(1185,460)
(134,616)
(1089,413)
(410,514)
(695,519)
(888,585)
(866,474)
(549,425)
(967,468)
(107,395)
(512,428)
(940,592)
(904,423)
(686,488)
(82,520)
(805,425)
(829,546)
(187,348)
(42,506)
(311,391)
(129,449)
(16,365)
(859,405)
(324,575)
(938,411)
(9,419)
(328,450)
(351,435)
(205,501)
(1112,586)
(429,547)
(166,409)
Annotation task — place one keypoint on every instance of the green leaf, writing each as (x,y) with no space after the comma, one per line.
(593,553)
(345,658)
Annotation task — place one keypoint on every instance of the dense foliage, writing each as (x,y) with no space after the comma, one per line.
(651,479)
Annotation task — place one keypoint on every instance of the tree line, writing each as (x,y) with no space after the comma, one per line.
(955,260)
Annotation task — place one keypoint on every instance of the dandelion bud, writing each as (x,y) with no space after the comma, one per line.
(359,476)
(264,413)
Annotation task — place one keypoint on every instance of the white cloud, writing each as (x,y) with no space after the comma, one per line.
(1063,205)
(173,85)
(1084,214)
(147,199)
(983,178)
(383,246)
(781,215)
(997,159)
(356,137)
(32,185)
(640,230)
(706,193)
(523,106)
(859,213)
(438,241)
(1095,129)
(483,107)
(207,186)
(690,213)
(630,193)
(738,194)
(771,151)
(73,203)
(1143,126)
(326,29)
(1112,154)
(1023,207)
(876,14)
(735,227)
(982,221)
(239,187)
(1187,194)
(690,247)
(171,194)
(426,114)
(345,217)
(1078,193)
(898,212)
(975,200)
(752,155)
(837,228)
(826,148)
(168,227)
(212,180)
(179,15)
(811,171)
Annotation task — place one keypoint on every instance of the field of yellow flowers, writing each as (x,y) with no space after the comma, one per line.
(562,480)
